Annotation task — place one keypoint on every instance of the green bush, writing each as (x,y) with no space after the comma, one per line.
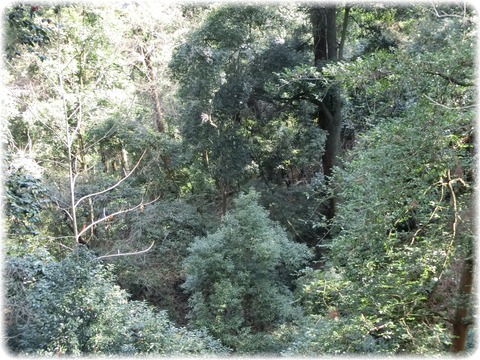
(240,276)
(73,307)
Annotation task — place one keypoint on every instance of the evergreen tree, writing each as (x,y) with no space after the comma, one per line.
(240,276)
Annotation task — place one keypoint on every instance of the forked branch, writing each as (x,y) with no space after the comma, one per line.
(108,217)
(114,185)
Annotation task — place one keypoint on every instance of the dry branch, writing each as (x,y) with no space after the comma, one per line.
(127,254)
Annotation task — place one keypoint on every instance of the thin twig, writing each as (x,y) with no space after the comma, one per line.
(455,221)
(127,254)
(448,107)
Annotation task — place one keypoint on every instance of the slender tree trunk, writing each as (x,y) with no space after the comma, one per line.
(157,100)
(223,190)
(460,320)
(331,17)
(344,33)
(329,110)
(124,161)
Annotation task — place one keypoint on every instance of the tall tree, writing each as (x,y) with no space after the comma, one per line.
(223,91)
(329,116)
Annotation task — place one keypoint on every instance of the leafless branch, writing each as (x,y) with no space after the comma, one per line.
(127,254)
(65,246)
(114,185)
(444,14)
(108,217)
(107,134)
(448,107)
(451,79)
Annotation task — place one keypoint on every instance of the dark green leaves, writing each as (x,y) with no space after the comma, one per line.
(74,307)
(238,276)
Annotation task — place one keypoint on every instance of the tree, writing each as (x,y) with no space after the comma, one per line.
(69,102)
(74,307)
(223,70)
(404,222)
(329,116)
(239,277)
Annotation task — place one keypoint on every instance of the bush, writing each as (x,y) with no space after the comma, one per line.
(240,276)
(73,307)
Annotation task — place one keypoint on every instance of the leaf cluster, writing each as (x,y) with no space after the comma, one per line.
(74,307)
(239,276)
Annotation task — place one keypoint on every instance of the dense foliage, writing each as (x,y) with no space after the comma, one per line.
(74,307)
(239,277)
(290,179)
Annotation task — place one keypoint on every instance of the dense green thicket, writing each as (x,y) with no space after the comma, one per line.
(240,277)
(169,185)
(403,238)
(399,244)
(74,307)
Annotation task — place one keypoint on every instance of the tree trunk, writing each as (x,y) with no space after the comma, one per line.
(344,33)
(329,110)
(157,101)
(460,320)
(319,29)
(124,160)
(224,197)
(331,15)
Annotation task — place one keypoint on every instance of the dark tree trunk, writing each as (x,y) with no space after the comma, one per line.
(460,320)
(344,33)
(319,29)
(329,110)
(331,15)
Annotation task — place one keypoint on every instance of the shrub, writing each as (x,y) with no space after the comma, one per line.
(74,307)
(240,276)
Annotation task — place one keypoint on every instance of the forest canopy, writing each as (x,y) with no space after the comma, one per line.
(289,178)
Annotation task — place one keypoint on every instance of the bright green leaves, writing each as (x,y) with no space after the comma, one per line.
(239,275)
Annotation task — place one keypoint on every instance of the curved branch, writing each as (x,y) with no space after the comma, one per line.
(108,217)
(127,254)
(451,78)
(114,185)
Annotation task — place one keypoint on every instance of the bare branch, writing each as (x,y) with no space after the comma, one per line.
(107,134)
(451,78)
(108,217)
(79,119)
(448,107)
(114,185)
(444,14)
(127,254)
(65,246)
